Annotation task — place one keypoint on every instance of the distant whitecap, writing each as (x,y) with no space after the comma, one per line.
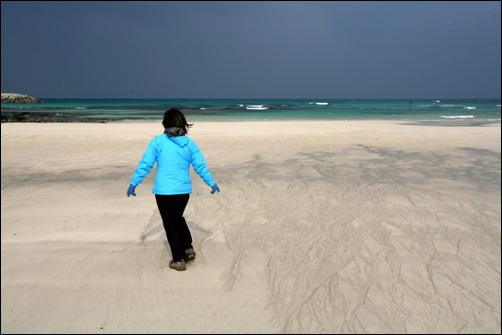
(256,107)
(457,116)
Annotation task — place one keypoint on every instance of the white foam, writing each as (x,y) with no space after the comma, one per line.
(469,107)
(457,116)
(256,107)
(321,103)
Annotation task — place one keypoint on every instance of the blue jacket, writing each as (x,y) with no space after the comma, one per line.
(173,155)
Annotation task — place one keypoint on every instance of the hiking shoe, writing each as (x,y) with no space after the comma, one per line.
(189,254)
(180,266)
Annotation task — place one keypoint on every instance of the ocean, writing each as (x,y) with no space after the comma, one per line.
(144,110)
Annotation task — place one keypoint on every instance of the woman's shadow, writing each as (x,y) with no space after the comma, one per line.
(155,227)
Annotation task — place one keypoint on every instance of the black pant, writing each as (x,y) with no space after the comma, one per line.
(171,208)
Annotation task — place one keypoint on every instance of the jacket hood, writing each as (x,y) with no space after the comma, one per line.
(174,131)
(177,135)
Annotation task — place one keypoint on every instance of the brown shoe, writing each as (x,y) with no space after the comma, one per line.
(189,254)
(180,266)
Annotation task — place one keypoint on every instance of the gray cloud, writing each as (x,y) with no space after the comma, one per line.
(252,49)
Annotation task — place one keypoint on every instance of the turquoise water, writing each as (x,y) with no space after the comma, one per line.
(263,109)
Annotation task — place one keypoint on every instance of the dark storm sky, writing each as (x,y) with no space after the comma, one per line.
(251,49)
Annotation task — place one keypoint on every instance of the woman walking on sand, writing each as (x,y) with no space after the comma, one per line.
(174,152)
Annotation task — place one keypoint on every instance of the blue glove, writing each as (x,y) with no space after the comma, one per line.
(130,190)
(215,188)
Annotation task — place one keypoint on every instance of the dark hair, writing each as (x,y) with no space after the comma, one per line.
(175,118)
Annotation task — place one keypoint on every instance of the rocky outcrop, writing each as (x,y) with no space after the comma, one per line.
(34,117)
(18,98)
(47,117)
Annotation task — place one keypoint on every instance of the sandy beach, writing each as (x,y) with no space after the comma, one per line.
(320,227)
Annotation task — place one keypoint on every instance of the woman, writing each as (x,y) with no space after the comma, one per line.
(174,153)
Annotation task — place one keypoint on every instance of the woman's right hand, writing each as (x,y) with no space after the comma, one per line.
(215,188)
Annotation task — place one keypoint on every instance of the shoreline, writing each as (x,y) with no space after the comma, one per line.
(118,110)
(31,117)
(320,226)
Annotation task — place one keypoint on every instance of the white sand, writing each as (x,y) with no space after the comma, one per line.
(320,227)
